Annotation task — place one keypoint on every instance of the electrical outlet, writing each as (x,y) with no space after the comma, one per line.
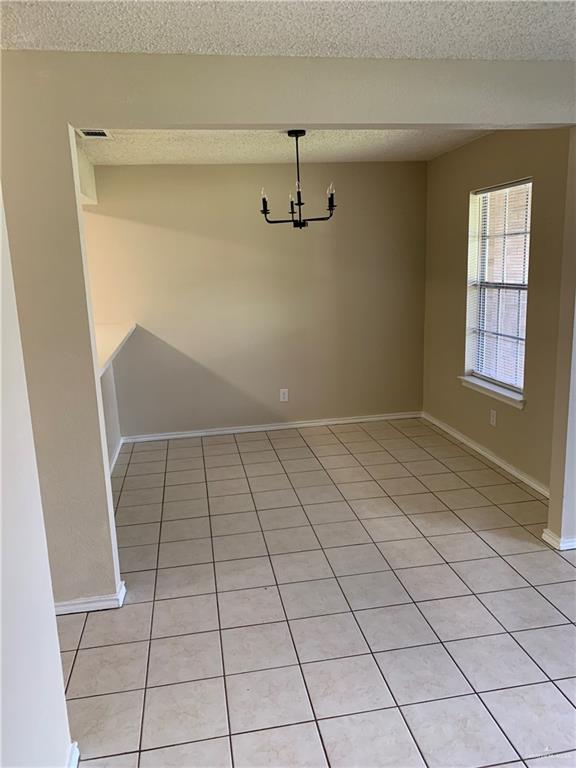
(492,417)
(283,395)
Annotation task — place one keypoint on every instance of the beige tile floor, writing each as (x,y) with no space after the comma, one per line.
(358,596)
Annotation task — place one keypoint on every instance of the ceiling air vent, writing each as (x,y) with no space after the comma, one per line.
(94,133)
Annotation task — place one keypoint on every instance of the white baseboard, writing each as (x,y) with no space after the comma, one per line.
(514,471)
(73,755)
(98,603)
(270,427)
(556,542)
(116,454)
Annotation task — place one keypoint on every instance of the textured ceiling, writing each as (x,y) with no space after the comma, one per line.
(397,29)
(251,146)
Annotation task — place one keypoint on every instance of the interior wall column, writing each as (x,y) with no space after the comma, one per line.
(42,212)
(561,530)
(35,731)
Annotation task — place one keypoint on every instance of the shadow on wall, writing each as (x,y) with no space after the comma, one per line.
(153,379)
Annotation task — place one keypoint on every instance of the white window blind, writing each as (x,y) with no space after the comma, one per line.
(498,258)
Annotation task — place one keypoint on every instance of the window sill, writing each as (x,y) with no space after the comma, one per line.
(515,399)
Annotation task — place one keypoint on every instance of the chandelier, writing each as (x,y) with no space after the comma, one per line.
(296,219)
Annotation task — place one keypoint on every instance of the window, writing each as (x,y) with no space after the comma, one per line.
(498,284)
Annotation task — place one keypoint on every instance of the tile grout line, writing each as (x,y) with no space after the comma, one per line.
(392,695)
(506,631)
(334,658)
(318,616)
(360,573)
(145,696)
(77,649)
(474,693)
(449,563)
(129,453)
(337,546)
(512,635)
(289,628)
(220,639)
(513,482)
(548,679)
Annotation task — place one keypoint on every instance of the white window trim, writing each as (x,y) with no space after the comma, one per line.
(498,392)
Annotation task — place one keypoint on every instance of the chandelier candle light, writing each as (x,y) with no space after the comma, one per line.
(296,219)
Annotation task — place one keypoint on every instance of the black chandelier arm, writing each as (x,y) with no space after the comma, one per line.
(276,221)
(322,218)
(298,222)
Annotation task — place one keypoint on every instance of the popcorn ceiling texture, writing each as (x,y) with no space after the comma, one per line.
(153,147)
(401,29)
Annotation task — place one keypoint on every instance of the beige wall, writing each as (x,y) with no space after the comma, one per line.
(59,356)
(86,177)
(34,721)
(231,309)
(522,438)
(110,408)
(562,516)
